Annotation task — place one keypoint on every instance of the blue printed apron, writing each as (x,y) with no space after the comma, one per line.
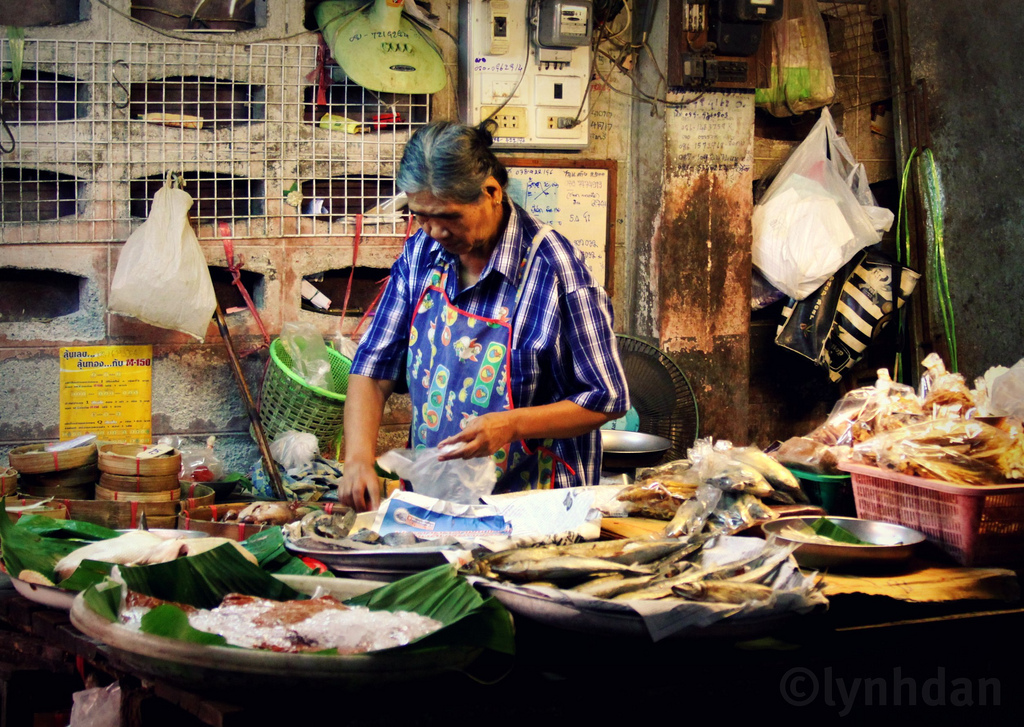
(458,368)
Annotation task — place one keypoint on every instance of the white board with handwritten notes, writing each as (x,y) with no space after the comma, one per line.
(575,200)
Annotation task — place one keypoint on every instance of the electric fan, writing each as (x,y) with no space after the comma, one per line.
(660,393)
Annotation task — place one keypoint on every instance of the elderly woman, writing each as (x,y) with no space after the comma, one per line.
(502,336)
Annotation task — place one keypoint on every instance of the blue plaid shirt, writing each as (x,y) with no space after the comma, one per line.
(563,345)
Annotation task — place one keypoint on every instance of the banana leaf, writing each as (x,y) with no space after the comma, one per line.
(172,622)
(440,593)
(76,529)
(23,549)
(268,547)
(89,572)
(203,580)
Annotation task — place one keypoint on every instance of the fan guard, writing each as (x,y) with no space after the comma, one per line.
(660,393)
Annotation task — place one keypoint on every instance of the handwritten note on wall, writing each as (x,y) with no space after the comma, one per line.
(572,200)
(714,131)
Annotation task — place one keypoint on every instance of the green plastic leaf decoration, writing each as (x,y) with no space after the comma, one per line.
(170,621)
(828,529)
(16,42)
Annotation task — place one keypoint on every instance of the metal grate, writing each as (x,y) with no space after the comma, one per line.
(97,126)
(859,49)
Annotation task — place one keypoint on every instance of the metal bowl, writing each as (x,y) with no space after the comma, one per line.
(887,543)
(624,449)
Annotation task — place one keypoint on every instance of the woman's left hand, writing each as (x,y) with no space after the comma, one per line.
(482,436)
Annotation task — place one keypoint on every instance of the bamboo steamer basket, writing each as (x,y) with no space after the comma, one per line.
(54,509)
(122,459)
(75,477)
(33,459)
(75,492)
(157,503)
(139,483)
(8,481)
(208,520)
(195,495)
(116,514)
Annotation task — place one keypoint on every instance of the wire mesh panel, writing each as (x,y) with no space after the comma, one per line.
(859,49)
(265,137)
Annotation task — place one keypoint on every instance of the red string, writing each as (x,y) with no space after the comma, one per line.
(236,279)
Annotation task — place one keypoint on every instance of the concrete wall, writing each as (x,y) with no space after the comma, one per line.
(967,57)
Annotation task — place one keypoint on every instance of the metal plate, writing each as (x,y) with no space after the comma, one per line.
(888,543)
(617,441)
(379,558)
(230,671)
(45,595)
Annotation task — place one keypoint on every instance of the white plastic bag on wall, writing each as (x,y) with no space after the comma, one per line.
(816,215)
(162,277)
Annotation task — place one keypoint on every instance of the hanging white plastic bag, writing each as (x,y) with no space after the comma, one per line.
(816,215)
(162,277)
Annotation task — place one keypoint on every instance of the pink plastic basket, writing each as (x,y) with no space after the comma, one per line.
(976,525)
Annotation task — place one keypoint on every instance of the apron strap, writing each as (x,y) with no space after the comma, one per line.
(534,246)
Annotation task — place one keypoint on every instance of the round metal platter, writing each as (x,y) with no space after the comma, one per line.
(45,595)
(226,670)
(617,441)
(887,543)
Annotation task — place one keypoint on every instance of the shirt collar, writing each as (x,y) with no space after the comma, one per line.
(507,255)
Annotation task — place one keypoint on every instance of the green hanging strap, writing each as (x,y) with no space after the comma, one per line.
(940,275)
(903,258)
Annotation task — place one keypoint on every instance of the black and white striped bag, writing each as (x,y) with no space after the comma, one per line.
(837,322)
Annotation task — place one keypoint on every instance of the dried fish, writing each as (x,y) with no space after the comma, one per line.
(722,591)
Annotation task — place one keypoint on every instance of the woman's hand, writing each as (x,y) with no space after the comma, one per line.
(360,487)
(481,437)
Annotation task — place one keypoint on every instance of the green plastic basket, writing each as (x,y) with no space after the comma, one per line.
(288,402)
(832,492)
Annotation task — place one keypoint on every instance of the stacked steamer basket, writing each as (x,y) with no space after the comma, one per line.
(147,484)
(68,474)
(8,481)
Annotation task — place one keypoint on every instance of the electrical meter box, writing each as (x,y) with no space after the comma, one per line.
(531,73)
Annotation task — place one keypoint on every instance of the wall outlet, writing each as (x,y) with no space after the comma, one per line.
(511,121)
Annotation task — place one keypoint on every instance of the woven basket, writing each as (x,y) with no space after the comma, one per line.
(195,495)
(74,477)
(116,514)
(122,459)
(8,481)
(206,519)
(33,459)
(56,510)
(150,498)
(139,483)
(288,402)
(75,492)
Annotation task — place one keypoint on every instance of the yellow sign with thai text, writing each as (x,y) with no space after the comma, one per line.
(107,391)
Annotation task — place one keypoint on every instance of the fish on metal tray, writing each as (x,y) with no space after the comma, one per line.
(560,568)
(611,585)
(722,591)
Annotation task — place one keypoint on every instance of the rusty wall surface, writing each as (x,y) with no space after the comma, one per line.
(702,255)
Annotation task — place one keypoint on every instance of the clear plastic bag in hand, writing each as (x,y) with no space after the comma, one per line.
(463,481)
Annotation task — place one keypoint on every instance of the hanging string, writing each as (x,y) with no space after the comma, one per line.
(903,258)
(941,275)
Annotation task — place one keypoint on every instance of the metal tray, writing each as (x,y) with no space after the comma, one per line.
(888,543)
(380,558)
(617,441)
(227,671)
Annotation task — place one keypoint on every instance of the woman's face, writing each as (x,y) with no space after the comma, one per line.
(461,228)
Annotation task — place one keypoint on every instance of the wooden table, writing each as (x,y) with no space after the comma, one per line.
(878,644)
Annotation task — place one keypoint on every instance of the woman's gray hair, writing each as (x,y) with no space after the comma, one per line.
(450,161)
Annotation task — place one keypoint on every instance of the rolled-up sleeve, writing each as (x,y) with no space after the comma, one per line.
(383,347)
(600,384)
